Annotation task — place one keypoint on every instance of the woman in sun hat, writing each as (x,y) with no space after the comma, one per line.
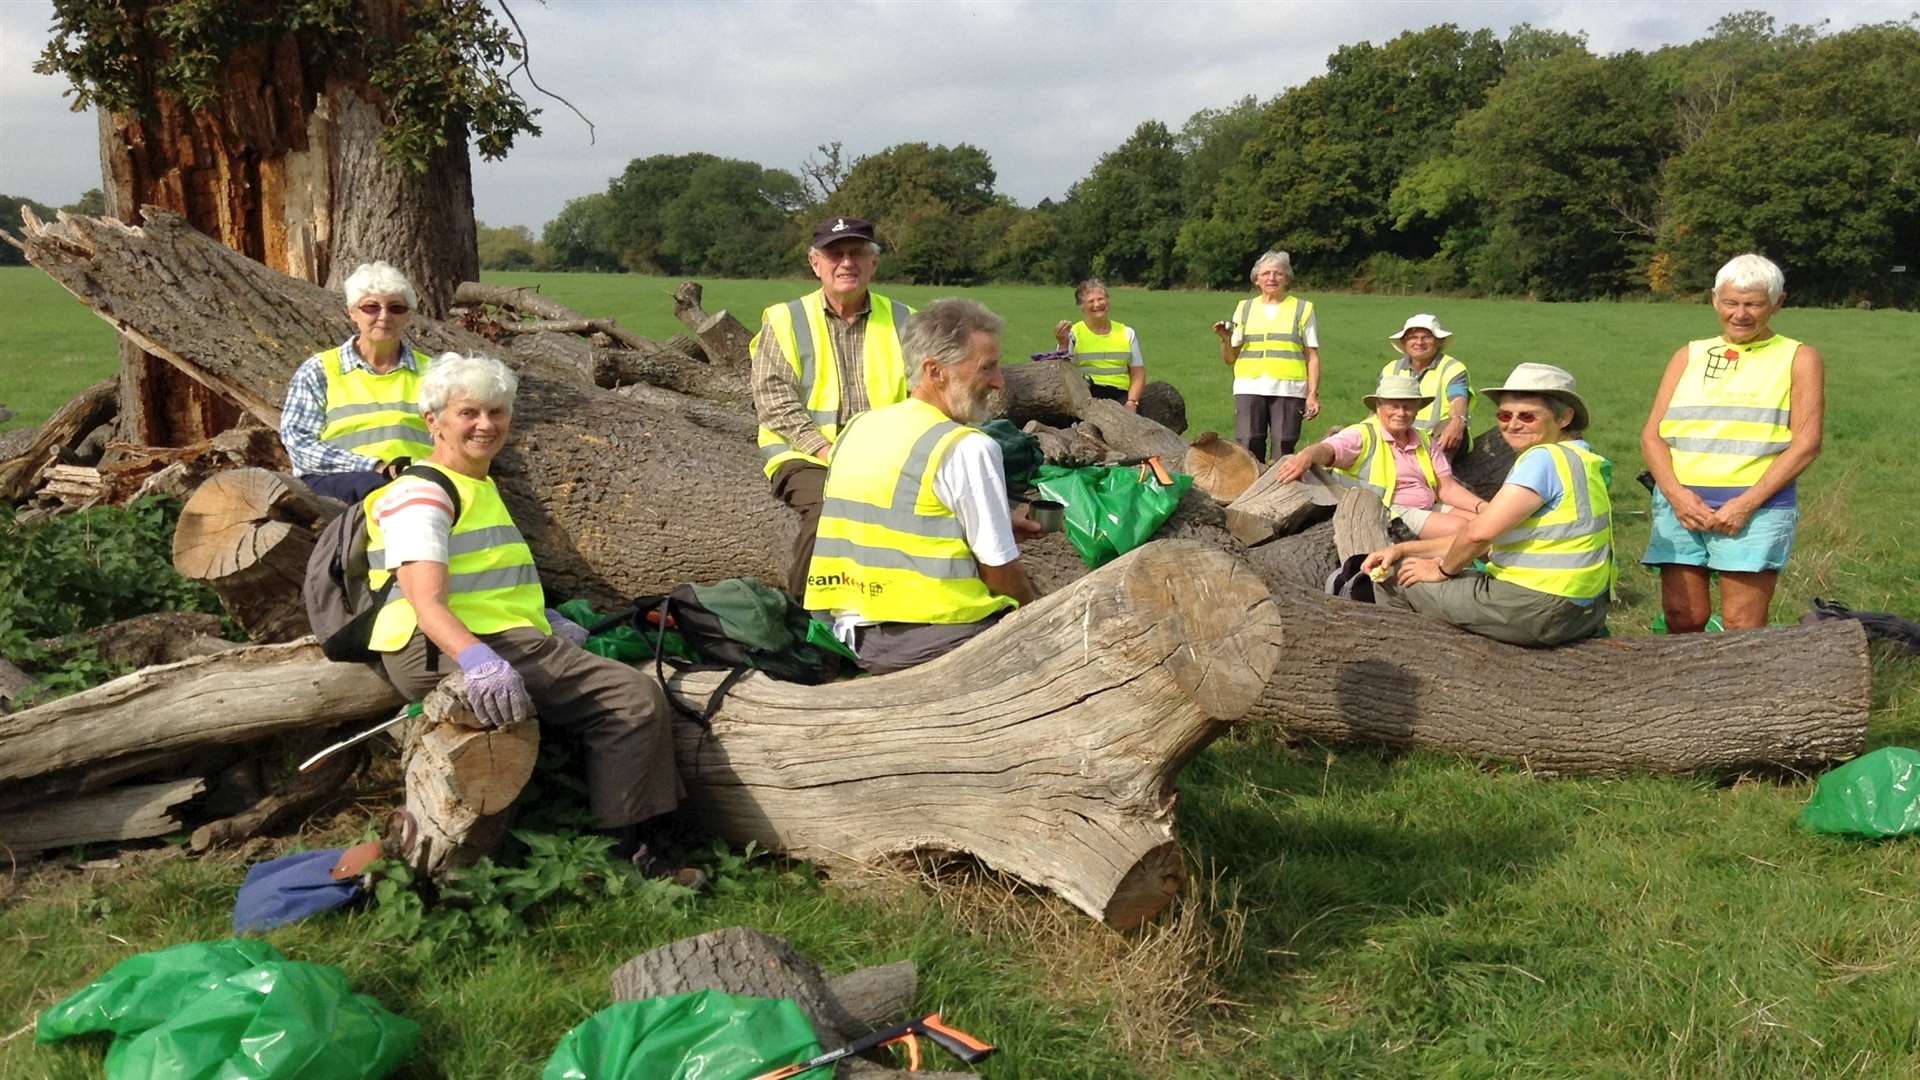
(1422,344)
(1735,422)
(1547,534)
(1391,457)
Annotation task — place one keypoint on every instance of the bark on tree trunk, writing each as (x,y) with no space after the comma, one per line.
(65,428)
(125,813)
(1269,508)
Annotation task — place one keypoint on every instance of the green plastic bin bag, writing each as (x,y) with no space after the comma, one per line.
(232,1010)
(704,1035)
(1110,510)
(1874,795)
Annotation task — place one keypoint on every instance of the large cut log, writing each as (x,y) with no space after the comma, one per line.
(1049,391)
(63,430)
(124,813)
(1298,563)
(619,495)
(1047,747)
(158,637)
(248,533)
(1269,508)
(232,697)
(461,778)
(1359,524)
(1163,403)
(1378,676)
(722,337)
(1484,467)
(1220,467)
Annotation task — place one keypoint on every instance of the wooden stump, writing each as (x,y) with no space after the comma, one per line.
(1046,747)
(248,533)
(1220,467)
(1269,508)
(1359,523)
(461,779)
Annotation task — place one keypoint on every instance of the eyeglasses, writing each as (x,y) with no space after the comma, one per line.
(372,310)
(1525,416)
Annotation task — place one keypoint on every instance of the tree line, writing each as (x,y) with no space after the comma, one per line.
(1442,160)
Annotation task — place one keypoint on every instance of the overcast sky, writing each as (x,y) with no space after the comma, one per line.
(1044,87)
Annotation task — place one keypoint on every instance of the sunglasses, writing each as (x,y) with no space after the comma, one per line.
(372,310)
(1525,416)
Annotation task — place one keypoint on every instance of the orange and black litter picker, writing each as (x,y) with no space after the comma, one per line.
(952,1039)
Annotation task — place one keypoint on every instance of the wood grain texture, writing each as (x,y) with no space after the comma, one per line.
(249,533)
(461,778)
(137,812)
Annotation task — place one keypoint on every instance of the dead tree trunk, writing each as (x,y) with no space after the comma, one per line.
(724,339)
(1047,747)
(62,431)
(461,779)
(248,533)
(124,813)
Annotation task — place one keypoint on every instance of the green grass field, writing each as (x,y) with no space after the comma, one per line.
(1363,915)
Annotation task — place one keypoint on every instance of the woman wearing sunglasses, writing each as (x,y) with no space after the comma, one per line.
(1547,534)
(351,420)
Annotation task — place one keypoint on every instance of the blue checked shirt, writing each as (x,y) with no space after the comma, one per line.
(304,414)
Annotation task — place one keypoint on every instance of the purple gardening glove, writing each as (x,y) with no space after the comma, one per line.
(495,691)
(564,627)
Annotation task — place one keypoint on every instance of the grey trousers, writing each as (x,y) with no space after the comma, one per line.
(802,485)
(1258,416)
(618,713)
(886,647)
(1500,610)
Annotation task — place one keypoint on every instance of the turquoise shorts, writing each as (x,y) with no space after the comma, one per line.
(1763,545)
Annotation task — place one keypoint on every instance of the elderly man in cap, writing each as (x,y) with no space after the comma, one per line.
(917,550)
(818,362)
(1389,455)
(1422,344)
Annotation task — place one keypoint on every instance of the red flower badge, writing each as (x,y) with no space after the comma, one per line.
(1733,354)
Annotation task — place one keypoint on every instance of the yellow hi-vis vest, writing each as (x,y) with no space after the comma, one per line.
(1566,551)
(800,326)
(1274,348)
(1434,381)
(1376,467)
(376,416)
(888,548)
(1727,419)
(1104,358)
(491,581)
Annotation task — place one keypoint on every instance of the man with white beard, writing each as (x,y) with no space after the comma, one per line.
(916,550)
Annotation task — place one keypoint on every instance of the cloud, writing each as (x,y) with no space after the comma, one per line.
(1044,87)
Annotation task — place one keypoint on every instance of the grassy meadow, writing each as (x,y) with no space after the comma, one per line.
(1353,914)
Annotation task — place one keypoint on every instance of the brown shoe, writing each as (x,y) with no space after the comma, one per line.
(687,877)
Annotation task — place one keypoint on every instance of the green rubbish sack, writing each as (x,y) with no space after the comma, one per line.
(704,1035)
(232,1010)
(1874,795)
(1110,509)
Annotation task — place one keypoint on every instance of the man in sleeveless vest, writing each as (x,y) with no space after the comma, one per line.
(1391,457)
(1273,345)
(1736,420)
(349,421)
(1422,345)
(468,597)
(1546,535)
(818,362)
(916,551)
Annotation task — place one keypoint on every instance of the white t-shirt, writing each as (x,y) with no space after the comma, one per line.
(416,520)
(1133,342)
(1271,387)
(972,481)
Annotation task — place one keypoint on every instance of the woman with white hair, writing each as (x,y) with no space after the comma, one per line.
(467,595)
(348,422)
(1273,345)
(1737,419)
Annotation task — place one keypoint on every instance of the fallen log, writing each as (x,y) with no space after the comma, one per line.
(1298,563)
(530,301)
(461,778)
(1269,508)
(124,813)
(1049,391)
(159,637)
(1360,524)
(64,430)
(1785,696)
(722,337)
(1485,465)
(248,533)
(1163,403)
(236,696)
(1220,467)
(1047,747)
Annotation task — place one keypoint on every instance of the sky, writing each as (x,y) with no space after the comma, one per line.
(1045,87)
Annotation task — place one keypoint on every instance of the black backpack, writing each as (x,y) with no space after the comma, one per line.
(340,605)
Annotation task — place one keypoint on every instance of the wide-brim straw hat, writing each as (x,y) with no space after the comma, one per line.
(1547,381)
(1397,388)
(1422,321)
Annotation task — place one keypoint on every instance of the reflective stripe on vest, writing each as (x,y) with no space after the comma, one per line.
(1566,551)
(1728,417)
(800,328)
(1104,358)
(376,416)
(492,584)
(1274,348)
(1434,382)
(887,547)
(1377,468)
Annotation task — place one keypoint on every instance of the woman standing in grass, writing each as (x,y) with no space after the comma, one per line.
(1106,352)
(1273,344)
(1736,421)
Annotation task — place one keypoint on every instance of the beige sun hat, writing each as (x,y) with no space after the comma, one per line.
(1547,381)
(1422,321)
(1397,388)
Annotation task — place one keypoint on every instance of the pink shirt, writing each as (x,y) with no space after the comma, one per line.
(1410,483)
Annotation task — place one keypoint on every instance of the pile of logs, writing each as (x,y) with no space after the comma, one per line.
(1048,746)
